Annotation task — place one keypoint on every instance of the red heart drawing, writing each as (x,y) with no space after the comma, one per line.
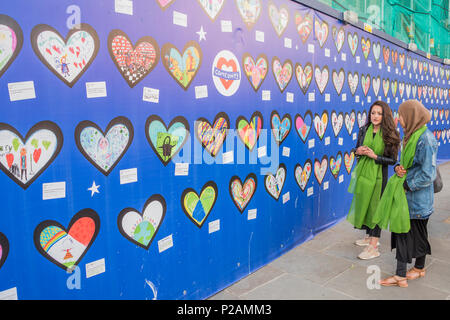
(230,64)
(37,155)
(9,159)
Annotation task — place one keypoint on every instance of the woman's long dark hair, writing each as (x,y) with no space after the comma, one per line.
(391,137)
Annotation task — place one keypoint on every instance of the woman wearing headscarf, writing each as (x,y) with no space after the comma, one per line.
(376,148)
(408,200)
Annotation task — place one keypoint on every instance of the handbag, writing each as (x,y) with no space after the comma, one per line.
(438,181)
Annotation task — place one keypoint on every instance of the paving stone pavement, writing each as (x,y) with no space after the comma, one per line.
(327,266)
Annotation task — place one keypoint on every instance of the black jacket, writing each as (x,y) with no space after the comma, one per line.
(385,159)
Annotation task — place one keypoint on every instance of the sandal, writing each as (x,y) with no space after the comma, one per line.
(395,281)
(415,273)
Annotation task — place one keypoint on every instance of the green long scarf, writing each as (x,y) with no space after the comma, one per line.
(393,208)
(366,182)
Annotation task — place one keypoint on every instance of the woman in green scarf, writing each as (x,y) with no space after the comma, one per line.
(408,199)
(376,149)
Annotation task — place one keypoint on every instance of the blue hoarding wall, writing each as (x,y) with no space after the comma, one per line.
(103,101)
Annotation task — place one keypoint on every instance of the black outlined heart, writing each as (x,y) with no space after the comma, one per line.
(274,183)
(16,38)
(242,193)
(212,136)
(4,249)
(198,207)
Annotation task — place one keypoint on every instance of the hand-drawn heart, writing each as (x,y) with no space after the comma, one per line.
(302,175)
(394,55)
(408,63)
(386,53)
(37,155)
(104,151)
(141,228)
(414,90)
(4,249)
(408,90)
(303,125)
(386,84)
(414,64)
(11,36)
(66,247)
(280,127)
(321,123)
(338,37)
(320,168)
(338,80)
(350,119)
(321,31)
(376,50)
(394,87)
(376,82)
(67,58)
(349,158)
(278,17)
(304,25)
(419,91)
(182,67)
(435,113)
(337,121)
(335,164)
(198,207)
(446,114)
(249,11)
(274,183)
(352,80)
(401,59)
(282,73)
(441,114)
(166,141)
(213,136)
(212,7)
(321,77)
(249,132)
(352,40)
(401,89)
(304,76)
(396,117)
(133,62)
(164,4)
(242,193)
(16,160)
(365,46)
(256,72)
(362,118)
(365,83)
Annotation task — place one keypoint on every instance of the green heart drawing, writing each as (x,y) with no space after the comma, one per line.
(46,144)
(197,208)
(35,143)
(16,144)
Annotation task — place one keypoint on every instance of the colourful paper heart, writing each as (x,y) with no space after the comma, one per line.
(243,193)
(352,40)
(321,123)
(365,83)
(164,4)
(349,158)
(249,132)
(11,41)
(197,208)
(320,168)
(304,76)
(365,46)
(304,25)
(352,80)
(339,37)
(376,50)
(274,183)
(338,80)
(302,175)
(321,76)
(282,73)
(321,31)
(303,125)
(250,10)
(337,121)
(212,7)
(256,72)
(279,17)
(350,119)
(213,136)
(280,127)
(335,164)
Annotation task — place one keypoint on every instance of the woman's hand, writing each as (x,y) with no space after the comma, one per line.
(400,171)
(361,150)
(369,153)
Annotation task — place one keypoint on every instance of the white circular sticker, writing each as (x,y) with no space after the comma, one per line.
(226,73)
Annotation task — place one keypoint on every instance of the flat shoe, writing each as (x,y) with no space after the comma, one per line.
(394,281)
(415,273)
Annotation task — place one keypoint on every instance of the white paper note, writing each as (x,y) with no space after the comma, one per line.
(226,26)
(286,151)
(259,36)
(10,294)
(94,268)
(96,89)
(21,90)
(180,19)
(266,95)
(228,157)
(165,243)
(214,226)
(252,214)
(201,92)
(286,197)
(311,143)
(128,176)
(262,151)
(150,95)
(181,169)
(53,190)
(310,191)
(124,6)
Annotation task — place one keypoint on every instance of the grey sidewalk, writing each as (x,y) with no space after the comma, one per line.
(327,267)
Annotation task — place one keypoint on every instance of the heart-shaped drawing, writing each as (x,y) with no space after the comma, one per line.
(67,58)
(401,89)
(274,183)
(408,63)
(249,132)
(134,62)
(303,125)
(335,164)
(338,80)
(213,136)
(394,55)
(446,114)
(320,168)
(18,155)
(242,193)
(141,228)
(365,83)
(386,86)
(337,121)
(414,90)
(282,73)
(321,77)
(304,76)
(212,7)
(386,53)
(401,59)
(352,40)
(435,113)
(349,158)
(338,37)
(278,17)
(4,249)
(166,141)
(350,119)
(302,175)
(198,207)
(414,64)
(419,91)
(321,123)
(441,114)
(256,72)
(66,247)
(362,118)
(11,42)
(104,151)
(408,90)
(304,25)
(376,50)
(394,87)
(423,66)
(365,46)
(321,31)
(376,82)
(280,127)
(396,117)
(182,67)
(353,80)
(164,4)
(250,10)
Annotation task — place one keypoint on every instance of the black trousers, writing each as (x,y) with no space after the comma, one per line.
(375,232)
(401,266)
